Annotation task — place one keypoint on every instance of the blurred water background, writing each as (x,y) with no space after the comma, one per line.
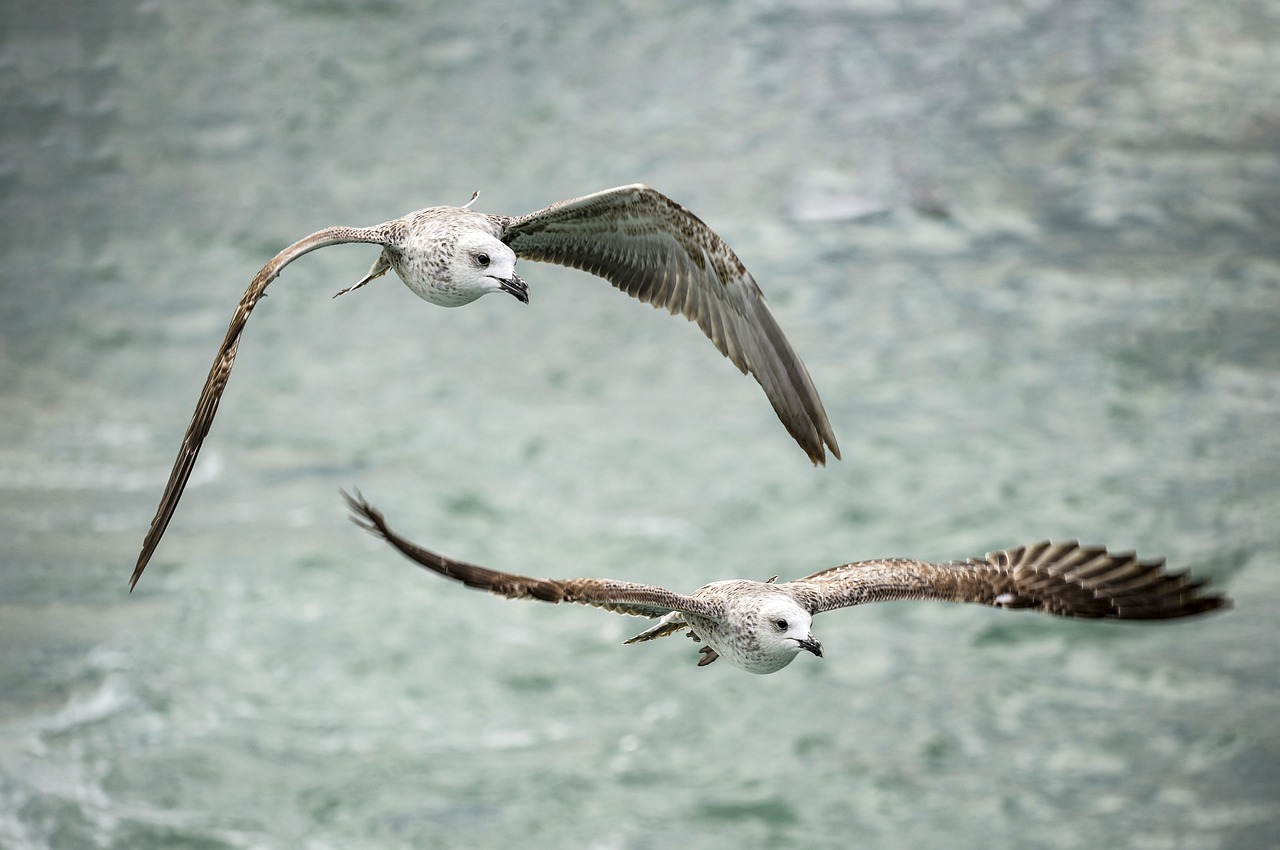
(1030,252)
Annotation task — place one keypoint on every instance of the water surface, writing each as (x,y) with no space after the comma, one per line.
(1028,251)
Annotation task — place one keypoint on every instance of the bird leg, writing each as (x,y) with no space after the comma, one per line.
(708,655)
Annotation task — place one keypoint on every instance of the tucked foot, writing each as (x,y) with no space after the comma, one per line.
(380,267)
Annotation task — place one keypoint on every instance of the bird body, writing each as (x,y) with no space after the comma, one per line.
(762,626)
(641,241)
(448,256)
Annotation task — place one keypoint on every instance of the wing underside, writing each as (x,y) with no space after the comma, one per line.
(655,250)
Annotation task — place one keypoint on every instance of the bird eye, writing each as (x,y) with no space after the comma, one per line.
(482,259)
(781,625)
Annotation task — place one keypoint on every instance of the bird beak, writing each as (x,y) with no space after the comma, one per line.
(812,645)
(515,287)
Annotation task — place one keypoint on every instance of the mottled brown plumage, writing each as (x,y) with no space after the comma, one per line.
(760,626)
(1063,579)
(639,240)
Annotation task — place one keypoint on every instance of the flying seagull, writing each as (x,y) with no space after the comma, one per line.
(762,626)
(638,239)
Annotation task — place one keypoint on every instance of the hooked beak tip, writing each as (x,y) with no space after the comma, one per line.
(516,287)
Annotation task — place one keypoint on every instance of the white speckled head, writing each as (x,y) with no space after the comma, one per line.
(485,264)
(782,630)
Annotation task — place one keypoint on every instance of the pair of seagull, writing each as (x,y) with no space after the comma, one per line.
(655,250)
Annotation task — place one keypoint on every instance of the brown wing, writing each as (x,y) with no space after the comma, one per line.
(214,385)
(1064,579)
(621,597)
(652,248)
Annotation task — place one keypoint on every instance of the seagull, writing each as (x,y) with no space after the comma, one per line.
(762,626)
(636,238)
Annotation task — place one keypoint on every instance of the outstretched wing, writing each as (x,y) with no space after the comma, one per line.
(621,597)
(214,385)
(1064,579)
(652,248)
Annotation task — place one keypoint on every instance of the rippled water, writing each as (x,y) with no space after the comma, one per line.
(1029,252)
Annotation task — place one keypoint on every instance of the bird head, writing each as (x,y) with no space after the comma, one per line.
(486,264)
(782,630)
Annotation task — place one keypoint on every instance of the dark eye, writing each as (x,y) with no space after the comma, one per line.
(781,625)
(482,259)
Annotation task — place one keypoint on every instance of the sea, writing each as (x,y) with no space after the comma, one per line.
(1028,249)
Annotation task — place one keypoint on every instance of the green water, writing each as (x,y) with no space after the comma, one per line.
(1030,253)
